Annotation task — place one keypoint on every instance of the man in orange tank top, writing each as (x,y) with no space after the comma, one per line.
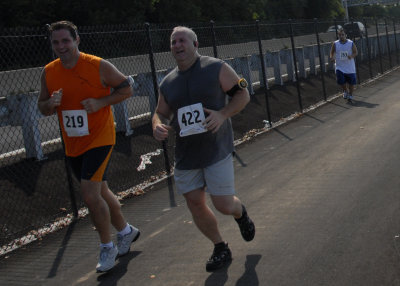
(77,87)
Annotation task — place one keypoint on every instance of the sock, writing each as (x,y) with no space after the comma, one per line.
(220,245)
(126,230)
(107,245)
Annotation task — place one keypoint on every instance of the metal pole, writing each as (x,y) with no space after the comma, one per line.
(368,50)
(395,41)
(320,57)
(379,45)
(295,66)
(214,39)
(152,65)
(155,86)
(356,60)
(335,28)
(344,2)
(388,44)
(66,165)
(264,73)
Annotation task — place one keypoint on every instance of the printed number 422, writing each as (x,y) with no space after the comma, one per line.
(190,118)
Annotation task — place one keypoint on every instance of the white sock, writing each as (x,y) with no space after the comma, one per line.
(107,245)
(126,230)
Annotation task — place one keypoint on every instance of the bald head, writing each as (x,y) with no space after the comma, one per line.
(191,34)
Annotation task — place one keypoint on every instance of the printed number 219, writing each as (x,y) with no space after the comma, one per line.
(73,122)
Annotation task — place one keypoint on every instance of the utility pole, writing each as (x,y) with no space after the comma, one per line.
(344,2)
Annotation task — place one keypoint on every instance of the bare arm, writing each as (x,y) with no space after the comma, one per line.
(162,115)
(333,51)
(354,52)
(227,78)
(110,76)
(47,104)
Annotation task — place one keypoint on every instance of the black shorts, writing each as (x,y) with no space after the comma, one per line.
(91,165)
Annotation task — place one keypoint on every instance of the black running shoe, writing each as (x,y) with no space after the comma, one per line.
(246,225)
(221,256)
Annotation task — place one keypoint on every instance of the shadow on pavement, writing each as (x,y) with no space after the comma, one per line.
(63,247)
(112,277)
(358,103)
(249,276)
(219,277)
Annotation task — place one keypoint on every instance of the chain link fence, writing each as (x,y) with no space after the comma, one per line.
(287,65)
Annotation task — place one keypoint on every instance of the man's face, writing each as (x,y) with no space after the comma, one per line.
(64,45)
(182,46)
(342,36)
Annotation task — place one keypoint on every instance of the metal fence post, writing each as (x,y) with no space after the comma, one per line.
(320,57)
(388,44)
(155,86)
(395,41)
(354,41)
(368,49)
(153,68)
(336,28)
(67,167)
(379,45)
(214,39)
(264,73)
(295,65)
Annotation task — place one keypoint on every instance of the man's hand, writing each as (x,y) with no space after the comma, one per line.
(55,99)
(214,120)
(160,131)
(91,105)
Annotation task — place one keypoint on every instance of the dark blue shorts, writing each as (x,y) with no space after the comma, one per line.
(342,78)
(91,165)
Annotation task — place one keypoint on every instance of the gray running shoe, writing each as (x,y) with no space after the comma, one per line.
(107,258)
(350,98)
(124,242)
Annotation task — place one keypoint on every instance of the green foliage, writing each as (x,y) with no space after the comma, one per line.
(99,12)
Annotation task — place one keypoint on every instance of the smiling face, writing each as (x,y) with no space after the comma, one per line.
(184,47)
(65,46)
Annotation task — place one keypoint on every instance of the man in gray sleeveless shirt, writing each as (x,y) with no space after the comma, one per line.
(193,102)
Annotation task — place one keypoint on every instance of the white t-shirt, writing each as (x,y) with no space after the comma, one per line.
(343,63)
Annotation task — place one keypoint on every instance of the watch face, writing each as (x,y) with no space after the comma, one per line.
(242,83)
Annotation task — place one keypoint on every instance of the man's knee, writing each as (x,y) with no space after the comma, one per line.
(195,199)
(224,204)
(90,192)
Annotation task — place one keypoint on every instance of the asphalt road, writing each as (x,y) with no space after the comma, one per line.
(323,191)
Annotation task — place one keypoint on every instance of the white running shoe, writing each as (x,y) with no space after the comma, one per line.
(107,258)
(124,241)
(345,95)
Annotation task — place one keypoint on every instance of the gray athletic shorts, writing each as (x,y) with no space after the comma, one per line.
(218,178)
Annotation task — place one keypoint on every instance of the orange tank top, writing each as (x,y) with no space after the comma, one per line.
(81,131)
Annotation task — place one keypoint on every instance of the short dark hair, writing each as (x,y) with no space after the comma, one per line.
(64,25)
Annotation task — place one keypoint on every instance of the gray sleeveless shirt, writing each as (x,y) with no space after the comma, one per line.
(198,84)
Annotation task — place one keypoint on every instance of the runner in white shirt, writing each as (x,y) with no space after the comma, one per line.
(343,52)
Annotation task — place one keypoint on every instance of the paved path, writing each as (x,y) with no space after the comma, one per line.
(323,191)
